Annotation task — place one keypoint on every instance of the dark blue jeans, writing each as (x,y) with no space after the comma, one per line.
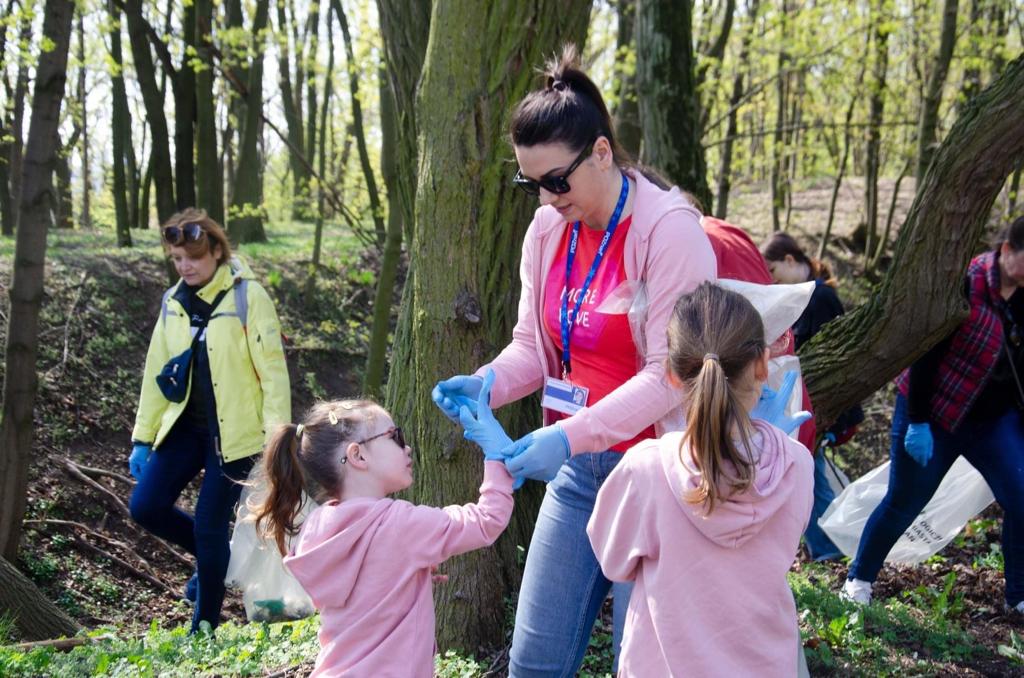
(184,453)
(995,448)
(819,546)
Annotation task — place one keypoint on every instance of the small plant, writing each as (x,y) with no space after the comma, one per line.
(942,604)
(991,560)
(453,665)
(1015,650)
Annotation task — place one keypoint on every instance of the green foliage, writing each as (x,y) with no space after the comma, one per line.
(939,603)
(453,665)
(1015,650)
(235,649)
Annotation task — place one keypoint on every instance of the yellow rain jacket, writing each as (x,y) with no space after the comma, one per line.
(247,365)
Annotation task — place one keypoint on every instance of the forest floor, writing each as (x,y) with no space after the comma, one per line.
(940,618)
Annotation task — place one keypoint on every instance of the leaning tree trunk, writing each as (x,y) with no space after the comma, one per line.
(933,94)
(481,60)
(669,101)
(26,292)
(247,222)
(920,300)
(34,615)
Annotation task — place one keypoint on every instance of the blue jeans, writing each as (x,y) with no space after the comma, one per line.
(184,453)
(563,587)
(819,546)
(995,448)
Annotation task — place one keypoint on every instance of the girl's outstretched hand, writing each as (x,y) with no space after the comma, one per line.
(456,392)
(483,429)
(771,407)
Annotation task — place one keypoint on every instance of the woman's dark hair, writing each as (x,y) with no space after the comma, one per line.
(569,110)
(308,462)
(215,234)
(713,336)
(1013,234)
(781,244)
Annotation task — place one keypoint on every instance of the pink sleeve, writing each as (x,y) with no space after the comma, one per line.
(432,535)
(617,526)
(680,258)
(518,372)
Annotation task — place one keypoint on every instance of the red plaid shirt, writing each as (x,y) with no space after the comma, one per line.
(973,351)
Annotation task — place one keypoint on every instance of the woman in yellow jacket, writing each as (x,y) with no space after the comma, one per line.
(215,385)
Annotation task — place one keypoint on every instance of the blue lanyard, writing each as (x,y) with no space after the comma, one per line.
(564,318)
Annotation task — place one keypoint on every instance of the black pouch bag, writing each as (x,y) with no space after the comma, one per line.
(173,378)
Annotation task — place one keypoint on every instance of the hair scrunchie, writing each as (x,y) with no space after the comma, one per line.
(711,356)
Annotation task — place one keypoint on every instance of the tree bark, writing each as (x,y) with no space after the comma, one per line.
(85,218)
(209,180)
(17,126)
(926,140)
(920,299)
(669,101)
(35,617)
(183,85)
(6,203)
(627,107)
(121,123)
(321,147)
(26,291)
(778,188)
(300,176)
(481,61)
(874,131)
(246,224)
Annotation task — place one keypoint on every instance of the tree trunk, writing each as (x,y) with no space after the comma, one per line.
(85,218)
(481,61)
(17,126)
(26,291)
(209,181)
(627,108)
(63,202)
(725,168)
(318,234)
(35,617)
(120,122)
(357,127)
(183,84)
(920,299)
(669,101)
(926,140)
(1013,192)
(310,66)
(884,240)
(300,176)
(874,131)
(246,224)
(145,73)
(6,206)
(778,191)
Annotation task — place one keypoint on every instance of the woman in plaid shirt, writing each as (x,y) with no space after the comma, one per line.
(963,397)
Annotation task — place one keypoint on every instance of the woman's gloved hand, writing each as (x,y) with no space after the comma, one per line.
(538,455)
(919,443)
(138,458)
(452,394)
(771,407)
(484,429)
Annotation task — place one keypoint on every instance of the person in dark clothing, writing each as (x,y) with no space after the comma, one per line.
(963,397)
(788,264)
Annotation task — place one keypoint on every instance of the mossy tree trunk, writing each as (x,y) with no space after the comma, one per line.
(480,61)
(920,300)
(34,615)
(26,292)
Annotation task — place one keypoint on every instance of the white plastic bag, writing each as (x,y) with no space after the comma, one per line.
(779,305)
(269,591)
(962,494)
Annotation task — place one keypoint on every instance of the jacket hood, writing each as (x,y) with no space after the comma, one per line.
(330,550)
(737,519)
(226,275)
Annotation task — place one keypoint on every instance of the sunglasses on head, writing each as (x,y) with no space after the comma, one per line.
(393,433)
(175,235)
(553,184)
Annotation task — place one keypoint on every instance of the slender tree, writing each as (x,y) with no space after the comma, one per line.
(626,111)
(120,122)
(209,180)
(15,129)
(873,154)
(926,141)
(85,217)
(300,176)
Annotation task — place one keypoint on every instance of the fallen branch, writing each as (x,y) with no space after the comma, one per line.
(92,548)
(96,535)
(94,472)
(59,644)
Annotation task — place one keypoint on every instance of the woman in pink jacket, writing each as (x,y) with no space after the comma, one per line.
(707,521)
(366,560)
(606,256)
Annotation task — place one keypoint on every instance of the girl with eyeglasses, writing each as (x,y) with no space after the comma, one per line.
(366,560)
(609,251)
(215,382)
(963,397)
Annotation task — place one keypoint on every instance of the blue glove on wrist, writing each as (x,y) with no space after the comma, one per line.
(771,407)
(919,443)
(484,429)
(538,455)
(452,394)
(138,458)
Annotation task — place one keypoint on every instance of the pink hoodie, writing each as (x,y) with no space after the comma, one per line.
(668,251)
(366,565)
(711,596)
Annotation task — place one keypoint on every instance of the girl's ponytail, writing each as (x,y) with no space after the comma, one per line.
(283,472)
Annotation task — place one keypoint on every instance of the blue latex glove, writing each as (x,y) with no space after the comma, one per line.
(460,391)
(771,407)
(538,455)
(919,443)
(138,458)
(484,429)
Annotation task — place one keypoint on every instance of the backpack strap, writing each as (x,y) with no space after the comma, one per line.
(164,309)
(241,288)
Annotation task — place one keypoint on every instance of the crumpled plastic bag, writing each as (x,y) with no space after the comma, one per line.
(962,495)
(269,591)
(779,305)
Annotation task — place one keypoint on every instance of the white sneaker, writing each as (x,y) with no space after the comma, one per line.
(856,591)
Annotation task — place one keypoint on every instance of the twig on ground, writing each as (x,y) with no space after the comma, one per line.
(97,535)
(60,644)
(82,543)
(93,472)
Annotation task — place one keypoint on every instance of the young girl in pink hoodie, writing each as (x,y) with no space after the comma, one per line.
(367,560)
(707,521)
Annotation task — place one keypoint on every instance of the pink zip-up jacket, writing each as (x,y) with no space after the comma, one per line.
(665,249)
(366,565)
(711,596)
